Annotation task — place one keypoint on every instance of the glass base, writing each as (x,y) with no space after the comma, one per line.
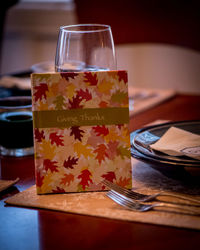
(16,152)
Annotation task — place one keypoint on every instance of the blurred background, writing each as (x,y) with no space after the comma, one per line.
(157,41)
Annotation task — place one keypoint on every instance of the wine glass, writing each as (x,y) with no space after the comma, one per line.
(85,47)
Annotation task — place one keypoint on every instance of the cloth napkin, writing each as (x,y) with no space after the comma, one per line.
(178,142)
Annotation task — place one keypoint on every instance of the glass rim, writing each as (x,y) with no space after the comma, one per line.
(69,28)
(15,102)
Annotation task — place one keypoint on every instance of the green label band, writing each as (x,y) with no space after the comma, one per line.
(80,117)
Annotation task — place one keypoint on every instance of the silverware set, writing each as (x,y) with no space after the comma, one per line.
(140,202)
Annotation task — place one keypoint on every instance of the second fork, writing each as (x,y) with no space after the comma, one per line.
(145,198)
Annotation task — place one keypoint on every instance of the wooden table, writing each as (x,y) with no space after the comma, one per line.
(26,229)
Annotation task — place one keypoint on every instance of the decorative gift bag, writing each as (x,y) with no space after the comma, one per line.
(81,134)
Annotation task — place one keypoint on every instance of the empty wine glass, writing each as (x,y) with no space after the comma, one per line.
(85,47)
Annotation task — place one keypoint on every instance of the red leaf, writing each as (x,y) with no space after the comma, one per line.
(39,179)
(122,76)
(54,138)
(101,153)
(58,190)
(75,103)
(84,94)
(120,126)
(91,78)
(110,176)
(39,135)
(48,164)
(101,130)
(40,91)
(85,178)
(68,75)
(77,132)
(103,104)
(70,162)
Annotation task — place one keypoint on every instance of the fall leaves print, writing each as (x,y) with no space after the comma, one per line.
(78,158)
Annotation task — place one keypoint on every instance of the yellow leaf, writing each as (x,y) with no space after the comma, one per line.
(125,136)
(70,91)
(105,86)
(53,89)
(112,135)
(42,106)
(46,187)
(47,150)
(81,149)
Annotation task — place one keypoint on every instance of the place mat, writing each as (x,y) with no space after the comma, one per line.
(4,184)
(141,99)
(98,204)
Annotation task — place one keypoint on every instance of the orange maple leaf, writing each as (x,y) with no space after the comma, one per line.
(103,104)
(124,182)
(101,153)
(67,179)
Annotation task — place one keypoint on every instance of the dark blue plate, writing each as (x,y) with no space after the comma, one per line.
(141,139)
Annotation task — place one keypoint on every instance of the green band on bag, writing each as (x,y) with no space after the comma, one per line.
(80,117)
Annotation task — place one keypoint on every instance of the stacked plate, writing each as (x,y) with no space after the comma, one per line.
(142,139)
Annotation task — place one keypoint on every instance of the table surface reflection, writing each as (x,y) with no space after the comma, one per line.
(26,228)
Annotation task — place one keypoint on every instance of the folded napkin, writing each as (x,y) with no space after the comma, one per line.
(178,142)
(11,81)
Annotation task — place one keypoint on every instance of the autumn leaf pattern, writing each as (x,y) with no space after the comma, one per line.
(39,179)
(101,130)
(124,181)
(84,94)
(91,78)
(76,132)
(75,102)
(119,97)
(67,179)
(57,139)
(69,75)
(50,165)
(122,76)
(39,135)
(77,158)
(101,153)
(85,177)
(58,190)
(40,91)
(59,102)
(70,162)
(110,176)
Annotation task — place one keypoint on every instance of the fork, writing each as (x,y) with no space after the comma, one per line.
(137,206)
(144,197)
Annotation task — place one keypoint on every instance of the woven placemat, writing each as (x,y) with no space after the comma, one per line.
(98,204)
(4,184)
(142,99)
